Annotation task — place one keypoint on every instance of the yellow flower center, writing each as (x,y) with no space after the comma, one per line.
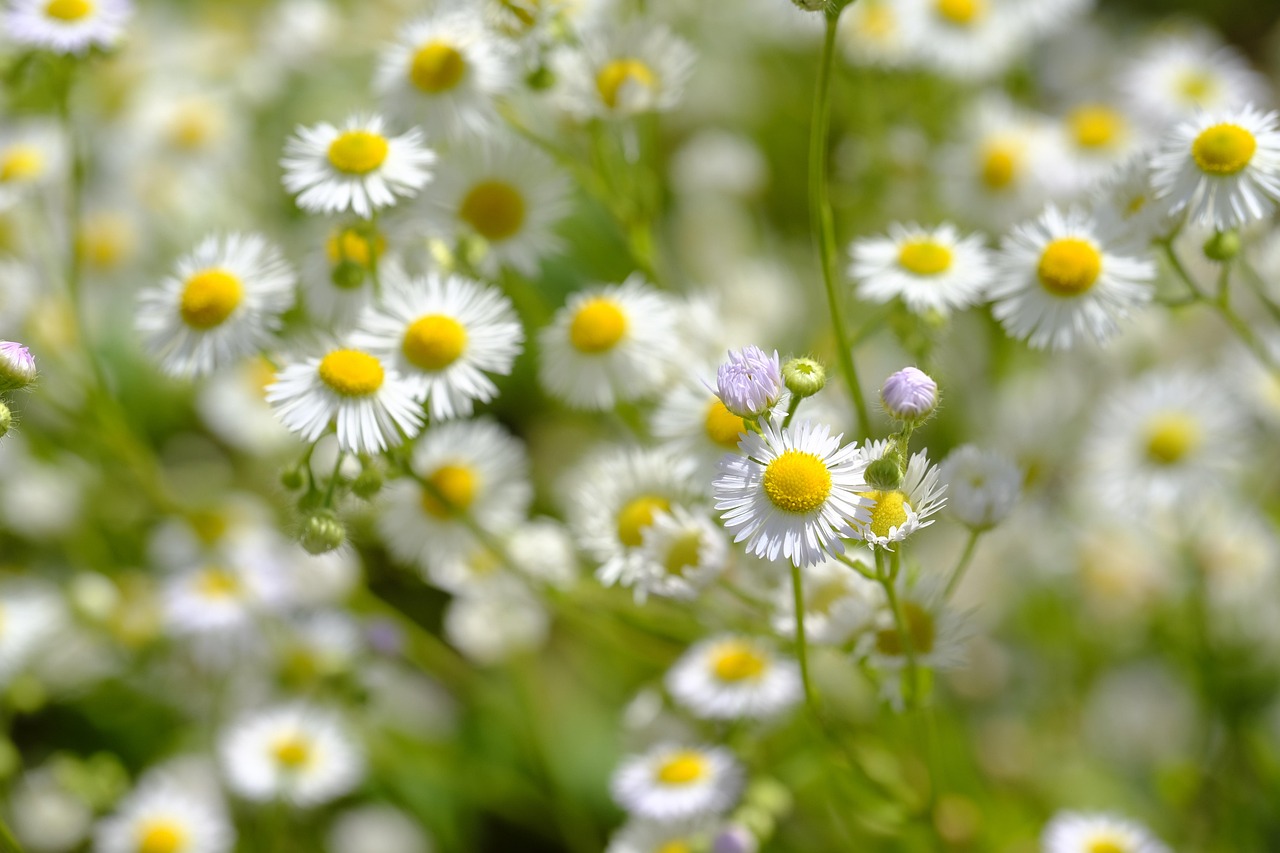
(1171,437)
(877,21)
(723,426)
(351,373)
(21,163)
(434,342)
(105,240)
(495,209)
(437,67)
(191,128)
(822,598)
(1135,205)
(961,13)
(217,583)
(1196,86)
(209,298)
(924,257)
(349,245)
(209,525)
(683,768)
(1069,266)
(161,836)
(683,554)
(738,661)
(1224,149)
(357,152)
(1000,162)
(456,486)
(1095,126)
(920,628)
(797,482)
(1107,845)
(623,72)
(890,511)
(597,326)
(636,516)
(69,10)
(291,752)
(677,846)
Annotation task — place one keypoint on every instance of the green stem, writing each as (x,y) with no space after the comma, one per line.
(8,844)
(791,410)
(333,478)
(802,646)
(857,567)
(1258,287)
(962,565)
(886,576)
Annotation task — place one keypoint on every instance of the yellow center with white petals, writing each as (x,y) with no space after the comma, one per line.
(455,487)
(106,240)
(637,515)
(889,511)
(722,426)
(352,246)
(1107,845)
(69,10)
(434,342)
(797,482)
(437,67)
(877,21)
(192,127)
(1171,437)
(1196,87)
(21,163)
(683,768)
(597,326)
(218,584)
(683,554)
(351,373)
(961,13)
(1095,126)
(924,257)
(357,152)
(494,209)
(1224,149)
(1069,266)
(209,297)
(623,72)
(921,629)
(677,846)
(292,752)
(161,836)
(1000,164)
(738,661)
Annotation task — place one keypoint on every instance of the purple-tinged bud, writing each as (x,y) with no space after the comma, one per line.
(909,396)
(17,367)
(735,839)
(750,383)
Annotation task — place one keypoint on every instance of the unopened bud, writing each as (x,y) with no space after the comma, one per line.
(885,474)
(804,376)
(322,533)
(909,395)
(735,838)
(367,484)
(6,419)
(347,275)
(750,383)
(17,367)
(292,478)
(1222,246)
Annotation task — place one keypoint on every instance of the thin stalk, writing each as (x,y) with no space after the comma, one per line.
(791,410)
(333,478)
(962,565)
(857,567)
(1258,287)
(8,844)
(903,628)
(802,646)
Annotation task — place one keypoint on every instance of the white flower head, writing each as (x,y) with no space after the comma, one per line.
(897,513)
(929,269)
(670,782)
(983,486)
(692,420)
(68,26)
(681,553)
(734,678)
(964,39)
(1182,74)
(622,72)
(1089,832)
(165,816)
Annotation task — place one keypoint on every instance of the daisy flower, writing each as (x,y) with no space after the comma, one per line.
(1057,281)
(672,782)
(643,836)
(934,630)
(1183,74)
(444,335)
(964,39)
(692,421)
(357,167)
(30,157)
(31,614)
(682,552)
(1092,832)
(734,678)
(445,71)
(68,26)
(222,305)
(622,72)
(898,513)
(872,33)
(930,269)
(298,752)
(983,486)
(1223,168)
(1126,207)
(337,284)
(1093,138)
(504,193)
(368,403)
(793,493)
(164,817)
(838,602)
(609,344)
(491,622)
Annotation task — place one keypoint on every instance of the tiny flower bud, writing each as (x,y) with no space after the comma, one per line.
(17,367)
(292,478)
(1222,246)
(347,275)
(6,419)
(322,533)
(367,484)
(750,383)
(810,5)
(909,396)
(885,474)
(735,838)
(804,376)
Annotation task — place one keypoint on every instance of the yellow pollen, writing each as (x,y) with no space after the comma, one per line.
(1000,163)
(21,163)
(161,836)
(291,752)
(677,846)
(1095,126)
(1069,267)
(218,583)
(350,245)
(457,486)
(437,67)
(357,152)
(351,373)
(797,482)
(1171,437)
(1196,87)
(434,342)
(69,10)
(890,511)
(924,257)
(1107,845)
(636,516)
(1224,149)
(961,13)
(877,21)
(495,209)
(622,72)
(209,298)
(683,768)
(684,554)
(920,628)
(597,326)
(723,426)
(738,661)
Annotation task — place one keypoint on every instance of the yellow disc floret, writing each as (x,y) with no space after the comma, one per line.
(450,490)
(69,10)
(1172,437)
(21,163)
(683,768)
(723,426)
(434,342)
(494,209)
(1000,163)
(738,661)
(1224,149)
(924,257)
(1095,126)
(921,630)
(1107,845)
(797,482)
(352,246)
(961,13)
(597,326)
(161,836)
(637,515)
(437,67)
(1197,87)
(357,152)
(291,752)
(677,846)
(351,373)
(683,554)
(1069,266)
(218,583)
(209,298)
(622,72)
(889,511)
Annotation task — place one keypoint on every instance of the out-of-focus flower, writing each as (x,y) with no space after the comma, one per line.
(734,678)
(1085,832)
(930,269)
(670,782)
(298,752)
(68,26)
(622,72)
(750,382)
(983,486)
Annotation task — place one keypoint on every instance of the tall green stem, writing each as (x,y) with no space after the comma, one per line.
(888,581)
(802,646)
(962,565)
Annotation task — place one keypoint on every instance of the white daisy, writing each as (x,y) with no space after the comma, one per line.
(222,305)
(222,601)
(31,614)
(734,678)
(166,817)
(1097,832)
(376,828)
(444,335)
(609,344)
(793,493)
(1093,138)
(983,486)
(357,167)
(542,550)
(930,269)
(67,26)
(671,782)
(838,602)
(692,421)
(491,622)
(445,71)
(370,406)
(964,39)
(1058,281)
(298,752)
(898,513)
(1126,207)
(30,157)
(872,33)
(682,552)
(622,72)
(935,632)
(1223,168)
(644,836)
(337,283)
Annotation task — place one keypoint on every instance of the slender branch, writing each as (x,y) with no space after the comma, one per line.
(962,565)
(858,567)
(802,647)
(791,410)
(903,628)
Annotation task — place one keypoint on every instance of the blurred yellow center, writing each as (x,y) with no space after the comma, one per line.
(191,128)
(723,426)
(797,482)
(636,516)
(218,583)
(1107,845)
(1095,126)
(351,373)
(683,768)
(676,846)
(827,594)
(437,67)
(1172,436)
(495,209)
(1197,87)
(21,163)
(434,342)
(619,73)
(357,152)
(737,661)
(877,21)
(920,628)
(106,240)
(1069,266)
(68,10)
(999,165)
(209,298)
(961,12)
(924,257)
(291,752)
(683,554)
(597,326)
(890,511)
(352,246)
(161,836)
(1135,205)
(1224,149)
(455,490)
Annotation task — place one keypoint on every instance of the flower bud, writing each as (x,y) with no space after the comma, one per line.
(1222,246)
(6,419)
(804,376)
(750,383)
(17,367)
(322,533)
(810,5)
(367,484)
(292,478)
(909,396)
(735,838)
(885,473)
(347,275)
